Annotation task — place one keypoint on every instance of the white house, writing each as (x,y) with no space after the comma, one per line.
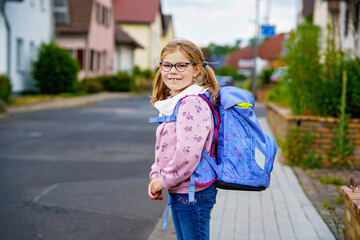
(349,27)
(124,51)
(343,16)
(30,23)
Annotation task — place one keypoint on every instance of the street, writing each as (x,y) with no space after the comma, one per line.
(78,173)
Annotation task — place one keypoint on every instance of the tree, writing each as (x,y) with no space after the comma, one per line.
(55,70)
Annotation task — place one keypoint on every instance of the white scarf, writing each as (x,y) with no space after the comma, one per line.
(166,107)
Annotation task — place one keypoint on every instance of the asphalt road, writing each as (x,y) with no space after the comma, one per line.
(78,173)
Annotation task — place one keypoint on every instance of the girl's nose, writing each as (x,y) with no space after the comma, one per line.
(173,70)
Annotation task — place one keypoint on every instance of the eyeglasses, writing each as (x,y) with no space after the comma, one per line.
(179,66)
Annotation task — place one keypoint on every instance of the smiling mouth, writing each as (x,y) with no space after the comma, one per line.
(174,79)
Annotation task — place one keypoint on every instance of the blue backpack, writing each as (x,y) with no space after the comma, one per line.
(237,132)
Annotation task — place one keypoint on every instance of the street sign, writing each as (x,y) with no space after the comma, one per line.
(267,30)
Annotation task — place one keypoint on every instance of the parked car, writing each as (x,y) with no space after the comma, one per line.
(225,80)
(278,73)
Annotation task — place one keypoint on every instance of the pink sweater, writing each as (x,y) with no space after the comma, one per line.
(179,145)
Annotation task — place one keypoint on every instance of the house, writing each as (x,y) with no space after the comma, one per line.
(168,30)
(87,29)
(143,21)
(269,54)
(342,16)
(124,51)
(18,40)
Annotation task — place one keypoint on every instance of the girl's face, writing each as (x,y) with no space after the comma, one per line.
(175,80)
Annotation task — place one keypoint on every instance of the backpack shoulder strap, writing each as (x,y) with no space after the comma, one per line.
(171,118)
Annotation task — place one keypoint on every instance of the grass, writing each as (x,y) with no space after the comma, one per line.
(31,99)
(339,200)
(332,180)
(326,205)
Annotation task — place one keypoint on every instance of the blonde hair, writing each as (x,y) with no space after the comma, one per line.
(206,78)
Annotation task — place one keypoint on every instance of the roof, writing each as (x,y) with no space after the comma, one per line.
(136,11)
(122,37)
(242,53)
(80,15)
(269,50)
(166,22)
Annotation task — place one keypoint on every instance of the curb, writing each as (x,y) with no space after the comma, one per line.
(67,102)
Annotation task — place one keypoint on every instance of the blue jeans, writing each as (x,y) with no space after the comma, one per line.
(192,220)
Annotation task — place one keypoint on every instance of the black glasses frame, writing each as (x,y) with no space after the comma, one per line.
(174,65)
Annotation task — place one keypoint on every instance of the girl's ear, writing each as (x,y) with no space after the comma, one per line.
(196,71)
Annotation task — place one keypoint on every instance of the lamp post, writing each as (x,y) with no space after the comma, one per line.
(255,53)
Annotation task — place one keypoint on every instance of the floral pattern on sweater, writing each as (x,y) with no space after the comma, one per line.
(179,145)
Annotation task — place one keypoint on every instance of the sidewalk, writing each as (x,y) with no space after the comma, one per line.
(68,102)
(281,212)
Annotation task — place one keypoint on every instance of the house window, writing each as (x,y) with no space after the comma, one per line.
(102,14)
(61,12)
(104,62)
(346,22)
(42,5)
(32,51)
(98,13)
(80,58)
(94,61)
(105,16)
(20,55)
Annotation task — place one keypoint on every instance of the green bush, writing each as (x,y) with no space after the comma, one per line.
(116,83)
(315,86)
(55,70)
(91,85)
(113,83)
(303,61)
(296,146)
(5,88)
(265,76)
(230,71)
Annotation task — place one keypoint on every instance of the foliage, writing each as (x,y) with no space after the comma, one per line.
(341,144)
(280,94)
(91,85)
(304,70)
(327,206)
(147,73)
(55,70)
(296,146)
(214,50)
(265,76)
(5,87)
(112,83)
(331,180)
(230,71)
(314,85)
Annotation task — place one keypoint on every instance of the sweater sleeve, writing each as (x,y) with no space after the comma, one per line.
(192,130)
(154,171)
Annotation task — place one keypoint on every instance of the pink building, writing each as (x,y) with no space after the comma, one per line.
(86,28)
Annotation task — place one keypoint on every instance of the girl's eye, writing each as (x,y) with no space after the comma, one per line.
(181,65)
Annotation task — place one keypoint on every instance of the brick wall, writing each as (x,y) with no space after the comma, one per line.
(352,213)
(323,128)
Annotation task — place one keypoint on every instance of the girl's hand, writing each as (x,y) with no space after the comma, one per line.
(156,195)
(156,186)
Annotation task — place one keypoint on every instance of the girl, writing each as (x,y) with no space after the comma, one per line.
(182,76)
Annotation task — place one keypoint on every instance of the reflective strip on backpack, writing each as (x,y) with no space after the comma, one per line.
(244,105)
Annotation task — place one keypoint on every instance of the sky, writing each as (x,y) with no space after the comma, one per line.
(224,21)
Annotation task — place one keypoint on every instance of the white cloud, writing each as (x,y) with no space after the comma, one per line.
(224,21)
